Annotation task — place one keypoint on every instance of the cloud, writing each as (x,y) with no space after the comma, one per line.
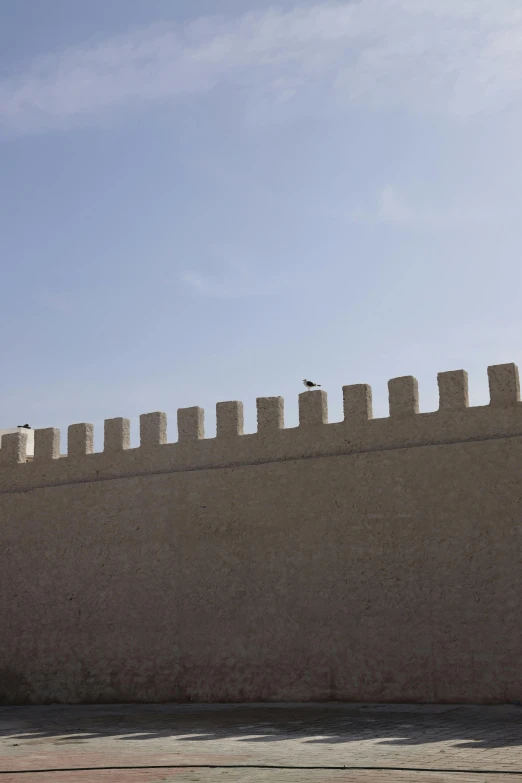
(459,56)
(393,207)
(229,280)
(65,303)
(209,287)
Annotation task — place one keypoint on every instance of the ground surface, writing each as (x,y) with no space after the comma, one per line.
(425,744)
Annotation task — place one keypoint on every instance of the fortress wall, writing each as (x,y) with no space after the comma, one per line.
(368,560)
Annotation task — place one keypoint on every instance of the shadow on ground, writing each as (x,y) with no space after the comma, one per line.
(466,727)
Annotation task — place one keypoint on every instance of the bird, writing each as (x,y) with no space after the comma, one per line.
(24,427)
(310,384)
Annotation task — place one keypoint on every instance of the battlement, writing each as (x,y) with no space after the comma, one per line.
(368,559)
(453,422)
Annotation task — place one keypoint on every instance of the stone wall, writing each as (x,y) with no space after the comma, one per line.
(368,560)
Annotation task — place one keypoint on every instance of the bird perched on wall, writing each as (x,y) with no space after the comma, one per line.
(310,384)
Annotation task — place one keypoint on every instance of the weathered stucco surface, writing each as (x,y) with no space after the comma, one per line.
(353,561)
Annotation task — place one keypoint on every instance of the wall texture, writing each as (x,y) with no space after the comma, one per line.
(373,559)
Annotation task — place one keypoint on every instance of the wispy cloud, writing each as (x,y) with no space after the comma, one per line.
(65,303)
(212,288)
(228,280)
(394,207)
(460,56)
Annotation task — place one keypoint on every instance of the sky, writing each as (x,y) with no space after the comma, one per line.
(209,200)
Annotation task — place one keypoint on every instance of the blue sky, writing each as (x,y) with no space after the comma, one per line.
(199,207)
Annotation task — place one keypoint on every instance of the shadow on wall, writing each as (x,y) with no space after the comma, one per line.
(398,725)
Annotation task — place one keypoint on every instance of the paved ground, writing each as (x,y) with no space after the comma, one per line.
(228,744)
